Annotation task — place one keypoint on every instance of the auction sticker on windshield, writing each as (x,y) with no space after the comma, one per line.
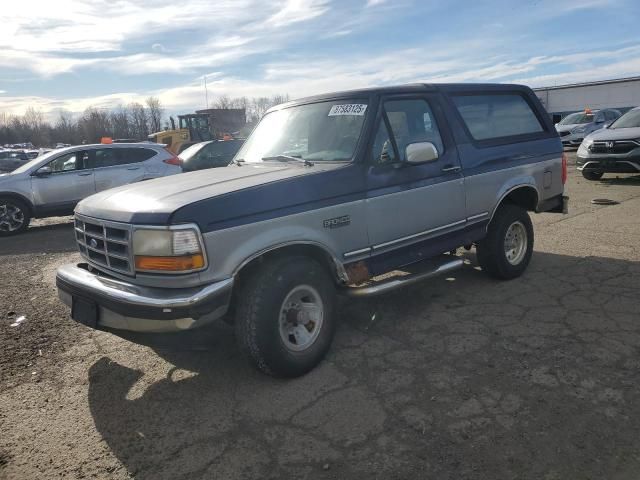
(348,109)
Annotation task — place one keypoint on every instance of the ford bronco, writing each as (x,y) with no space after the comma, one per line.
(354,193)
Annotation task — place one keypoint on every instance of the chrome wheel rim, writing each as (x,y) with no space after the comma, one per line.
(515,243)
(301,317)
(11,217)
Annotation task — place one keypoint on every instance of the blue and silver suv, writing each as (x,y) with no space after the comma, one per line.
(354,193)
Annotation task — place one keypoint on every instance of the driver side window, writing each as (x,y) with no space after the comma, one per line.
(411,121)
(69,162)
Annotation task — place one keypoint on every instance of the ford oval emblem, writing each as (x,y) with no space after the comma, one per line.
(93,243)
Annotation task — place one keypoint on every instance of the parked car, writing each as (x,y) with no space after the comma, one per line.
(212,154)
(615,149)
(55,182)
(12,159)
(328,195)
(575,126)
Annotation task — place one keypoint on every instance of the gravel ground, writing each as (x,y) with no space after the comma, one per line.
(459,377)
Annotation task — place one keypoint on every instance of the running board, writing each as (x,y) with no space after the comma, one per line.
(423,270)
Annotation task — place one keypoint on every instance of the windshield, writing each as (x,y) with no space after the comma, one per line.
(191,151)
(326,131)
(35,161)
(630,119)
(576,118)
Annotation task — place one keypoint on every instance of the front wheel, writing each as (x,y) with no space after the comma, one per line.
(506,250)
(591,175)
(14,217)
(285,316)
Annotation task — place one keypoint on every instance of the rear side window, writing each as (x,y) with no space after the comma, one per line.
(134,155)
(496,116)
(110,157)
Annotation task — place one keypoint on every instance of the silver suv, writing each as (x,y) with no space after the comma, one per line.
(574,127)
(54,183)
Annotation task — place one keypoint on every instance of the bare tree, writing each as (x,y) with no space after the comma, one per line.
(223,102)
(94,124)
(155,113)
(132,121)
(139,121)
(121,122)
(34,123)
(65,129)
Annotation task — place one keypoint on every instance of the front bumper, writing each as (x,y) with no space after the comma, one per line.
(608,164)
(105,303)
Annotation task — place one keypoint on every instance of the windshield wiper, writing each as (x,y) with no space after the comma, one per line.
(288,158)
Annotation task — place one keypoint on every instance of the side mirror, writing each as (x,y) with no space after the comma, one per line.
(421,152)
(43,171)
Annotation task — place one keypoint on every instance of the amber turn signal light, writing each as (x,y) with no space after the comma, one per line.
(170,264)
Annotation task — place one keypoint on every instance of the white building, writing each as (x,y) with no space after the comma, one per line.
(622,94)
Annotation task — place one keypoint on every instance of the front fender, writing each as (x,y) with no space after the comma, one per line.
(231,248)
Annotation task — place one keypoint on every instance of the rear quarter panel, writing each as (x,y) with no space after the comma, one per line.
(493,172)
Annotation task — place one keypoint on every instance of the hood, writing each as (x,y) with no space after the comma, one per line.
(569,127)
(153,201)
(616,134)
(6,176)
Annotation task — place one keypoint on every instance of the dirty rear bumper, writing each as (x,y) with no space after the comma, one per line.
(124,306)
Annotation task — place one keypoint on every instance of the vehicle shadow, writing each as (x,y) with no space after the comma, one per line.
(49,238)
(628,180)
(214,416)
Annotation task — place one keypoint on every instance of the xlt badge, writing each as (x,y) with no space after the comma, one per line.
(336,222)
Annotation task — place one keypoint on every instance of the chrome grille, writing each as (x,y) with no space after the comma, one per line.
(614,146)
(105,244)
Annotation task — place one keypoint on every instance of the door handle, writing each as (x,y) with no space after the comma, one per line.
(85,174)
(133,168)
(451,168)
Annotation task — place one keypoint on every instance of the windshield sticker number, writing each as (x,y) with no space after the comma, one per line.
(348,109)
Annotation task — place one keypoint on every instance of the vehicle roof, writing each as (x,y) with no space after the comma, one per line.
(591,110)
(407,88)
(110,145)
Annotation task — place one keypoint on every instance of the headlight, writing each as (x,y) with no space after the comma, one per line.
(587,142)
(579,130)
(172,249)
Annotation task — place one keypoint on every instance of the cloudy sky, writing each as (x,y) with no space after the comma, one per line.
(69,54)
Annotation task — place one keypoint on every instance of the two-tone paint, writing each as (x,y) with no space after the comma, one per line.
(397,215)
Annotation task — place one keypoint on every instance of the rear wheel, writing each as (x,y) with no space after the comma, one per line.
(285,316)
(14,216)
(591,175)
(506,250)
